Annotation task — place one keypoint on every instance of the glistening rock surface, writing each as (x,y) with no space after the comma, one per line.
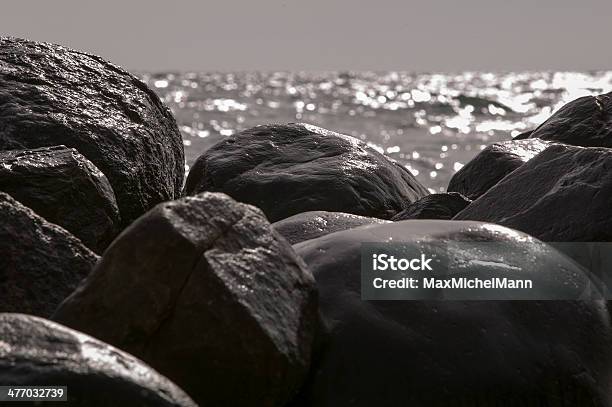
(454,353)
(65,188)
(586,121)
(524,135)
(492,164)
(310,225)
(37,352)
(562,195)
(40,263)
(294,168)
(208,294)
(434,206)
(51,95)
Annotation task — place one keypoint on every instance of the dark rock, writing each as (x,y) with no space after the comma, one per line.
(593,256)
(295,168)
(210,296)
(65,188)
(310,225)
(586,122)
(562,195)
(51,95)
(492,164)
(454,353)
(37,352)
(434,206)
(40,263)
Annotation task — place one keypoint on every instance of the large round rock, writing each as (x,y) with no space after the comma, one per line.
(40,263)
(586,122)
(37,352)
(310,225)
(207,293)
(65,188)
(434,206)
(492,164)
(562,195)
(455,353)
(294,168)
(51,95)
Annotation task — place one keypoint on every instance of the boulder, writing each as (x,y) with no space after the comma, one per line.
(38,352)
(454,353)
(594,256)
(310,225)
(586,122)
(51,95)
(40,263)
(210,296)
(562,195)
(434,206)
(492,164)
(295,168)
(65,188)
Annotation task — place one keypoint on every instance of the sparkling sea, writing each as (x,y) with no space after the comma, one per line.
(431,123)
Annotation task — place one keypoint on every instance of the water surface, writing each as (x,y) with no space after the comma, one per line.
(431,123)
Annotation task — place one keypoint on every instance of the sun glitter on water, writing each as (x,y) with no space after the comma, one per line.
(431,123)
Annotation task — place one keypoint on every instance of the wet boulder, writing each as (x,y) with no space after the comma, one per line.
(51,95)
(586,122)
(455,353)
(38,352)
(561,195)
(310,225)
(40,263)
(492,164)
(210,296)
(434,206)
(295,168)
(65,188)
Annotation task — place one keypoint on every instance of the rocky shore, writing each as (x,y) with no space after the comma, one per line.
(240,286)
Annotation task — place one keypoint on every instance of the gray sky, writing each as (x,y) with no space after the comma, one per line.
(432,35)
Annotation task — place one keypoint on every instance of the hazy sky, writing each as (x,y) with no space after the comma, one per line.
(234,35)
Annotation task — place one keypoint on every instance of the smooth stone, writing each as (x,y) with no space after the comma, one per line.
(52,95)
(561,195)
(310,225)
(492,164)
(593,256)
(464,353)
(294,168)
(38,352)
(586,122)
(40,263)
(434,206)
(210,296)
(65,188)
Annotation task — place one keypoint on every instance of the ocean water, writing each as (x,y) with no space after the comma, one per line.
(431,123)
